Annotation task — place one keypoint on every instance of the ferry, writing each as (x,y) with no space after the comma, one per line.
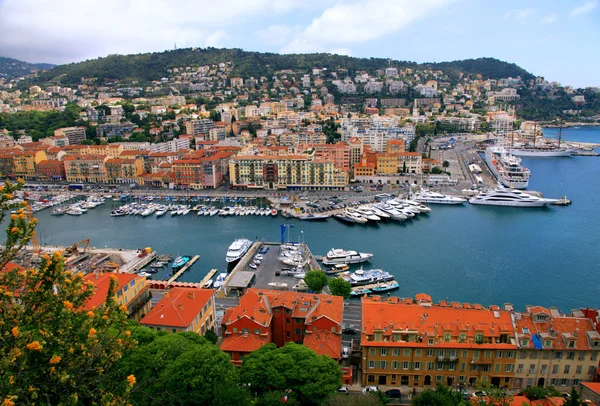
(341,256)
(180,262)
(385,287)
(507,168)
(362,277)
(237,249)
(337,269)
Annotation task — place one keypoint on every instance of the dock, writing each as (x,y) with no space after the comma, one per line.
(208,276)
(184,268)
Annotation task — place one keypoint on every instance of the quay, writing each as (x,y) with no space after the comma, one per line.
(183,269)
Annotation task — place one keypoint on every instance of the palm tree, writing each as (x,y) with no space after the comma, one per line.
(446,165)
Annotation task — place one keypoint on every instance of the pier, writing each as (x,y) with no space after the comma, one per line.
(183,269)
(208,277)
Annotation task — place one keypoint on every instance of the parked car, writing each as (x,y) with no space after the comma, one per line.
(393,393)
(345,352)
(370,389)
(344,389)
(350,331)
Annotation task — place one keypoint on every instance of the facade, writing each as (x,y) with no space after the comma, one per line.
(199,173)
(74,134)
(25,163)
(554,349)
(199,127)
(86,168)
(364,168)
(51,169)
(131,291)
(338,153)
(183,309)
(285,172)
(265,316)
(123,170)
(417,343)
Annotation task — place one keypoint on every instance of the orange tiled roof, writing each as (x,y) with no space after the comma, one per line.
(593,386)
(243,342)
(324,342)
(423,297)
(102,282)
(179,307)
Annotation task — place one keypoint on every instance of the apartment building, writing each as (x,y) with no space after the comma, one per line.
(554,349)
(25,163)
(268,316)
(183,309)
(338,153)
(285,172)
(86,168)
(74,134)
(131,291)
(174,145)
(418,343)
(123,170)
(51,169)
(199,127)
(199,173)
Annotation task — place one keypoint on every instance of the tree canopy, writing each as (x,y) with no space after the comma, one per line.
(340,287)
(316,280)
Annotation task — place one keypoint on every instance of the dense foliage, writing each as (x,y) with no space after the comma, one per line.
(10,68)
(340,287)
(40,124)
(488,68)
(440,396)
(316,280)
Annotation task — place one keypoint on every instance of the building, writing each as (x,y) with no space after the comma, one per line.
(396,146)
(183,309)
(114,129)
(123,170)
(417,343)
(174,145)
(590,391)
(25,163)
(74,134)
(199,127)
(554,349)
(86,168)
(285,172)
(338,153)
(131,291)
(51,169)
(199,173)
(268,316)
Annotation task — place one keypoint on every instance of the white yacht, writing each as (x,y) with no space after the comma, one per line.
(506,167)
(392,211)
(366,277)
(426,196)
(418,205)
(510,197)
(219,280)
(341,256)
(237,249)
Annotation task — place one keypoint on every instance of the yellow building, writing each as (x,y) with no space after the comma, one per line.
(388,163)
(183,309)
(131,291)
(554,349)
(396,146)
(25,163)
(123,170)
(111,150)
(364,168)
(418,343)
(86,168)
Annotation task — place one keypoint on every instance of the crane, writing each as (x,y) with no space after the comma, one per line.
(72,250)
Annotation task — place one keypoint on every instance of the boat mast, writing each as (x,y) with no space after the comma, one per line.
(559,133)
(534,133)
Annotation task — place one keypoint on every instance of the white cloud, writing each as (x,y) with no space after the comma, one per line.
(275,34)
(584,8)
(354,23)
(549,19)
(70,30)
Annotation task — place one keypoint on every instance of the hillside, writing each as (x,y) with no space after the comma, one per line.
(152,66)
(10,68)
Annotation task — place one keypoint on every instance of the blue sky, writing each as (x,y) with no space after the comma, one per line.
(559,40)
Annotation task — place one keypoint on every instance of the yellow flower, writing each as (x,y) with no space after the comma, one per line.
(9,196)
(11,379)
(123,308)
(128,333)
(47,257)
(71,350)
(91,314)
(92,332)
(31,388)
(55,359)
(8,402)
(34,346)
(34,220)
(21,216)
(15,331)
(68,304)
(20,211)
(131,380)
(14,230)
(105,317)
(13,216)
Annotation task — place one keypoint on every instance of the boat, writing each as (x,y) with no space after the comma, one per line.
(366,277)
(418,206)
(58,212)
(208,284)
(337,268)
(185,212)
(74,212)
(341,256)
(368,214)
(278,285)
(220,279)
(237,249)
(357,217)
(315,217)
(385,287)
(258,257)
(506,167)
(180,262)
(274,212)
(426,196)
(144,274)
(358,292)
(299,275)
(161,212)
(502,196)
(158,264)
(252,265)
(344,218)
(394,213)
(542,151)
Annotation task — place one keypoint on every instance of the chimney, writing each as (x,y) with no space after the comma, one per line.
(191,295)
(180,306)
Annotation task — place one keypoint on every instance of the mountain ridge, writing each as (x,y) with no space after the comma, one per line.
(10,67)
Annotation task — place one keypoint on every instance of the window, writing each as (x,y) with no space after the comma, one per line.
(499,354)
(429,353)
(125,288)
(173,330)
(396,352)
(565,382)
(429,365)
(235,330)
(567,369)
(371,351)
(407,352)
(383,352)
(371,378)
(546,355)
(557,355)
(394,364)
(439,377)
(461,378)
(510,354)
(451,367)
(441,353)
(463,366)
(382,364)
(465,353)
(256,331)
(416,378)
(406,365)
(581,356)
(576,382)
(520,368)
(462,337)
(594,356)
(543,369)
(287,334)
(523,355)
(531,368)
(132,284)
(298,331)
(430,341)
(288,311)
(473,367)
(578,369)
(497,367)
(476,354)
(418,353)
(371,364)
(417,365)
(525,342)
(479,337)
(591,370)
(276,310)
(554,369)
(446,337)
(287,321)
(547,343)
(440,366)
(487,354)
(533,355)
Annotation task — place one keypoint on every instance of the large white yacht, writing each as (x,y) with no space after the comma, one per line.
(510,197)
(541,151)
(237,249)
(426,196)
(341,256)
(506,167)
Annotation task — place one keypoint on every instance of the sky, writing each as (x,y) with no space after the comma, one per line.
(559,40)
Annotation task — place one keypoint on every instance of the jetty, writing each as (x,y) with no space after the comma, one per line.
(208,277)
(183,269)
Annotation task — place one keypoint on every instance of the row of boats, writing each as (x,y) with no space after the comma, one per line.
(394,209)
(501,196)
(159,210)
(79,208)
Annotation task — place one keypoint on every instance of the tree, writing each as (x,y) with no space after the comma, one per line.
(404,167)
(574,399)
(494,396)
(436,170)
(215,115)
(446,164)
(340,287)
(211,336)
(316,280)
(52,349)
(536,393)
(441,396)
(341,399)
(310,377)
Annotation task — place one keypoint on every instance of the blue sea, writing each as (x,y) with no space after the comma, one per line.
(475,254)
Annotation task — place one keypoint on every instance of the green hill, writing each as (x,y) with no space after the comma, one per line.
(152,66)
(10,68)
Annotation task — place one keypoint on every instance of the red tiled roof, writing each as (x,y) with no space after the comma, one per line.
(102,282)
(243,343)
(178,308)
(593,386)
(324,342)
